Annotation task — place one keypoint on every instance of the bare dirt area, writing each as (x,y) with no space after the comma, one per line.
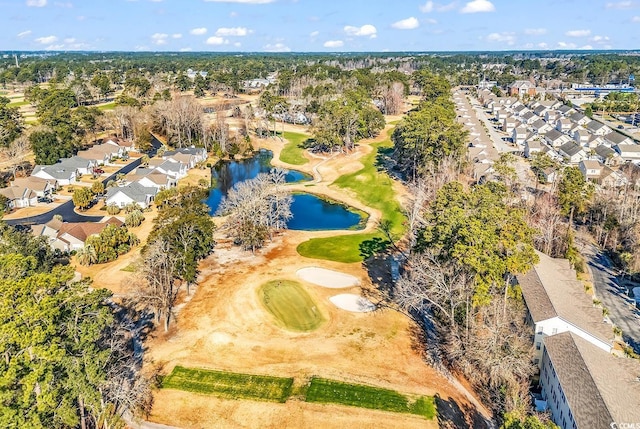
(224,326)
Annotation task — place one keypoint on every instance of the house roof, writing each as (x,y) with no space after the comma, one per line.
(75,162)
(533,144)
(599,387)
(553,135)
(520,131)
(595,125)
(616,138)
(17,192)
(539,124)
(564,109)
(134,191)
(31,182)
(576,117)
(629,148)
(185,150)
(571,148)
(528,114)
(83,230)
(57,171)
(551,289)
(605,151)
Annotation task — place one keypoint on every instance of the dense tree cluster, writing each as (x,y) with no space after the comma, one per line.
(67,355)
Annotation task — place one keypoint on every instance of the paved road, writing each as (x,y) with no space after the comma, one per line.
(613,295)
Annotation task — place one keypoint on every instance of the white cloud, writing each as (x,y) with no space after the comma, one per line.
(406,24)
(535,31)
(235,31)
(635,19)
(600,39)
(333,44)
(187,49)
(577,33)
(542,45)
(47,40)
(177,35)
(242,1)
(36,3)
(365,30)
(70,40)
(446,7)
(620,5)
(565,45)
(198,31)
(217,40)
(586,47)
(276,47)
(54,47)
(427,7)
(233,14)
(476,6)
(159,38)
(24,33)
(314,34)
(505,37)
(66,5)
(431,21)
(237,44)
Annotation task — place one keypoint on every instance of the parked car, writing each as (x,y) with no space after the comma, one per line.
(621,127)
(45,200)
(98,170)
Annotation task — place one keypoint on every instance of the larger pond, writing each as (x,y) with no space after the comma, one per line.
(309,211)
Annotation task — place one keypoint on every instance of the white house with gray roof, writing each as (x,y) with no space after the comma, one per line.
(132,193)
(63,174)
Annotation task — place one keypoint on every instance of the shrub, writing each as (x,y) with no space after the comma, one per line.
(113,210)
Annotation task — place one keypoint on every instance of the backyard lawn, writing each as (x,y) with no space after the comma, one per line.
(291,305)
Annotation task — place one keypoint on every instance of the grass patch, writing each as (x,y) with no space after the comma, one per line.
(229,385)
(18,104)
(292,307)
(129,268)
(108,106)
(327,391)
(374,188)
(293,152)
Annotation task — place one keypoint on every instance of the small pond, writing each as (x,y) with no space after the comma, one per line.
(310,213)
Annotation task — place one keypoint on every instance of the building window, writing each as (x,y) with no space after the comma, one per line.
(538,345)
(535,361)
(555,331)
(539,329)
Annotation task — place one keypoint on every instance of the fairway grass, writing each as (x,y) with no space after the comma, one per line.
(327,391)
(229,384)
(291,305)
(373,188)
(233,385)
(293,152)
(108,106)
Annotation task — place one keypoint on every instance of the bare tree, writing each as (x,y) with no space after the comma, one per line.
(157,287)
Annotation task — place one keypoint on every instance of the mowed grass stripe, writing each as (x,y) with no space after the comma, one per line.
(229,385)
(326,391)
(291,305)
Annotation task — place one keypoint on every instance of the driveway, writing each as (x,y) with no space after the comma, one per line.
(612,292)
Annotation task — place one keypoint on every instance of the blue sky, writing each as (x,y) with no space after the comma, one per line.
(318,25)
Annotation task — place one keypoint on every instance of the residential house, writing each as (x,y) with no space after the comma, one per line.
(598,128)
(81,165)
(41,187)
(614,138)
(49,229)
(482,171)
(62,174)
(579,118)
(126,145)
(102,154)
(509,124)
(152,178)
(528,117)
(132,193)
(612,179)
(19,197)
(199,153)
(555,138)
(581,136)
(591,169)
(585,387)
(552,116)
(556,303)
(72,235)
(541,127)
(565,110)
(174,169)
(572,152)
(532,146)
(607,155)
(594,141)
(541,110)
(628,152)
(521,88)
(563,125)
(549,174)
(518,135)
(520,110)
(500,115)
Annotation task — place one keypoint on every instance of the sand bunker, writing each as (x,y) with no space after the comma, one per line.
(327,278)
(353,303)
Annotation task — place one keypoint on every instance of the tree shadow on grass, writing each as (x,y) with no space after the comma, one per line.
(452,415)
